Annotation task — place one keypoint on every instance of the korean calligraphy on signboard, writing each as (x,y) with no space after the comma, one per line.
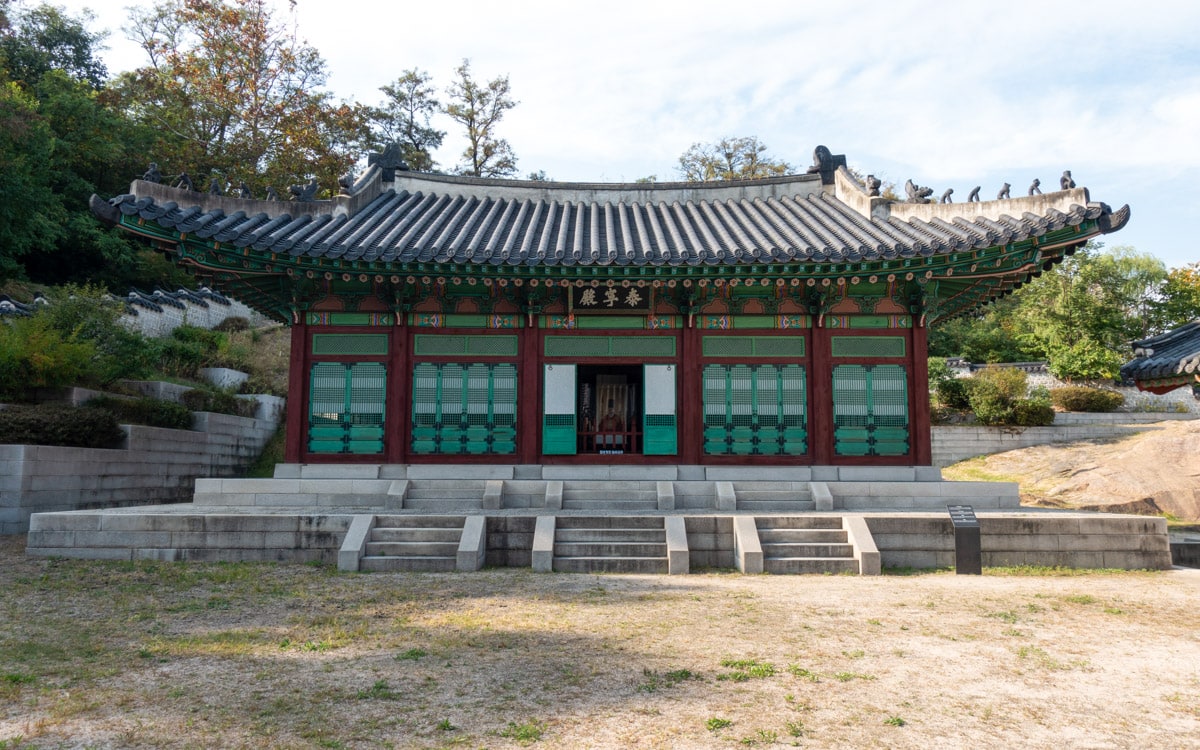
(610,299)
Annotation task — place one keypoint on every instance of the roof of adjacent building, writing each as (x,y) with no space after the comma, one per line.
(1172,356)
(437,218)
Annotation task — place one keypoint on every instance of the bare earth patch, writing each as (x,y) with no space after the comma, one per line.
(97,654)
(1152,473)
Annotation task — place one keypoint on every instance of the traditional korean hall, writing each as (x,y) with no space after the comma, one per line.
(449,319)
(638,378)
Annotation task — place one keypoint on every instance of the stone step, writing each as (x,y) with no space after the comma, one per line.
(809,565)
(419,522)
(798,522)
(610,565)
(607,534)
(610,549)
(798,549)
(441,504)
(610,505)
(410,534)
(449,493)
(607,522)
(772,496)
(425,564)
(461,485)
(776,506)
(412,549)
(809,536)
(599,495)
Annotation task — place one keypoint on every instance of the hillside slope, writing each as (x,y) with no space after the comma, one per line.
(1155,472)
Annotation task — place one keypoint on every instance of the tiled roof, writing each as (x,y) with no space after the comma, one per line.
(1173,354)
(434,218)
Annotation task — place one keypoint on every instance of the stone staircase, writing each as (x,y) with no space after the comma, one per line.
(445,495)
(634,544)
(774,497)
(614,496)
(813,544)
(413,543)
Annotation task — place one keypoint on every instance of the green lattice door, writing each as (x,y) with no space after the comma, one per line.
(346,406)
(660,437)
(558,410)
(755,410)
(464,408)
(870,410)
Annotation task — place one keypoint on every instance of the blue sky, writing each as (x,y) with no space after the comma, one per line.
(949,94)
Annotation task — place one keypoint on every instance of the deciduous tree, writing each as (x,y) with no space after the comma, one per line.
(237,92)
(731,158)
(479,109)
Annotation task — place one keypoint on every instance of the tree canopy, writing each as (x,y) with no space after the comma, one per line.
(731,158)
(404,118)
(238,96)
(478,108)
(1080,316)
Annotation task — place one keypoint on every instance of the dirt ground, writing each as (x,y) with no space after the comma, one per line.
(1156,472)
(147,655)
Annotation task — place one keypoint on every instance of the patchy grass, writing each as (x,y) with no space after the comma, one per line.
(150,654)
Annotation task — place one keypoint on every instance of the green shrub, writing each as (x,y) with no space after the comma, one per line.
(153,412)
(955,393)
(1085,360)
(180,359)
(86,313)
(1031,412)
(229,325)
(34,354)
(215,400)
(1083,398)
(262,384)
(1009,382)
(55,424)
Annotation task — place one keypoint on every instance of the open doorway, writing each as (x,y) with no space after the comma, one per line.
(609,405)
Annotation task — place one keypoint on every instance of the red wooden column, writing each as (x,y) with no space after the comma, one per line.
(922,449)
(690,401)
(820,410)
(529,396)
(297,411)
(399,385)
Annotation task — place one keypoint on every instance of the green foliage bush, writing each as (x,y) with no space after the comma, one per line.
(1083,398)
(55,424)
(86,313)
(33,354)
(1085,359)
(1031,412)
(229,325)
(955,393)
(153,412)
(215,400)
(997,396)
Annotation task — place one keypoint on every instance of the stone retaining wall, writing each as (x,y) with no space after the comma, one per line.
(156,466)
(202,537)
(953,443)
(1101,541)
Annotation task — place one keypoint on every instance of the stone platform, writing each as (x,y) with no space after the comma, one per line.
(670,519)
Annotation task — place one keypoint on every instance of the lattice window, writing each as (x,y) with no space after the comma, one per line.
(632,347)
(464,408)
(870,410)
(350,343)
(346,407)
(753,346)
(483,346)
(755,410)
(868,346)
